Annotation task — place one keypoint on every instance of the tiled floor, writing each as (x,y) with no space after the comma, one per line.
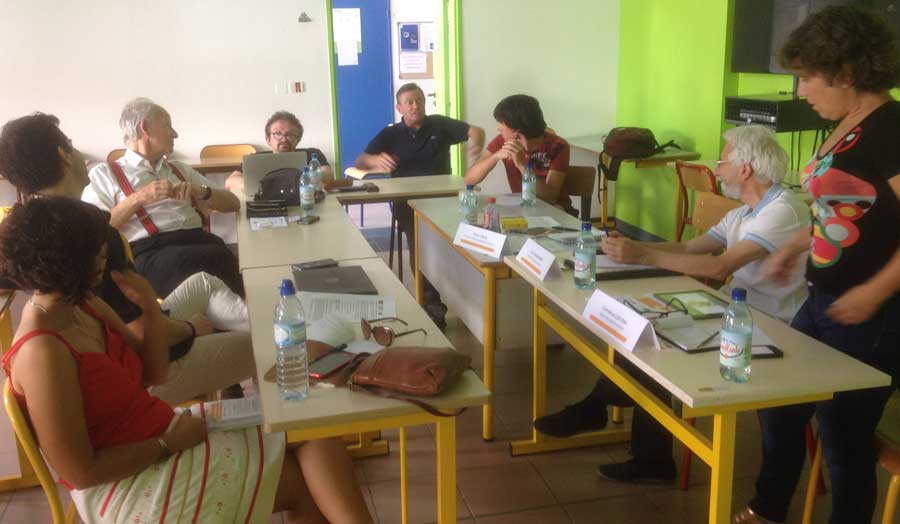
(495,488)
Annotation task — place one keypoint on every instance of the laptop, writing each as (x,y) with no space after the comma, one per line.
(342,279)
(259,165)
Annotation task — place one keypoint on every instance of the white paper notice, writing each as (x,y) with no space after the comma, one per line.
(426,37)
(346,23)
(257,223)
(541,222)
(537,259)
(346,53)
(413,63)
(613,319)
(479,240)
(348,307)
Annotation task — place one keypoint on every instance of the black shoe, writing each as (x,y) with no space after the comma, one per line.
(437,312)
(576,418)
(634,471)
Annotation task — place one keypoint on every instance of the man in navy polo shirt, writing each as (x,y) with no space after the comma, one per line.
(419,145)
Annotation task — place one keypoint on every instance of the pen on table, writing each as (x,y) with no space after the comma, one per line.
(561,228)
(335,349)
(707,339)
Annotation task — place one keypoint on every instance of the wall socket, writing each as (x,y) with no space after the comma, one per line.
(299,86)
(281,87)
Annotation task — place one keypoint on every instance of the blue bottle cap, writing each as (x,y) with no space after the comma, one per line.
(470,187)
(287,287)
(306,169)
(739,294)
(585,226)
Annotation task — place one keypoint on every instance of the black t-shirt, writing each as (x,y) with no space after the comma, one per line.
(856,214)
(423,151)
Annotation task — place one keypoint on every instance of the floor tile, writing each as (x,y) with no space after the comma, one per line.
(572,477)
(420,460)
(622,510)
(422,501)
(503,488)
(549,515)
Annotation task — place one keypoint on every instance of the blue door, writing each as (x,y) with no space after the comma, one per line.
(364,91)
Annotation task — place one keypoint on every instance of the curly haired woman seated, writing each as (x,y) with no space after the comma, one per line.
(126,455)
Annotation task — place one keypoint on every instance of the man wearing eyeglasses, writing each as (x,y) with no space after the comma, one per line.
(751,169)
(283,133)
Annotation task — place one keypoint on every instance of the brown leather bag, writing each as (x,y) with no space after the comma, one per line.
(399,372)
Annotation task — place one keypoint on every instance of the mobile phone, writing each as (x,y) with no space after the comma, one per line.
(316,264)
(329,364)
(765,351)
(311,219)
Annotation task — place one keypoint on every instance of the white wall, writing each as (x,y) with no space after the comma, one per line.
(213,64)
(564,53)
(407,11)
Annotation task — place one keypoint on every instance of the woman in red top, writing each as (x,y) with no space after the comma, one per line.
(127,455)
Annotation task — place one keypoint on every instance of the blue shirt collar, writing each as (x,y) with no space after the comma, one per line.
(770,195)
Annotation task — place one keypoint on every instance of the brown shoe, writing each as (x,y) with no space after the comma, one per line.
(746,516)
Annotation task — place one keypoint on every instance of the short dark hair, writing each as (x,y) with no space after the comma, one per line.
(50,245)
(523,113)
(29,155)
(845,39)
(410,86)
(284,115)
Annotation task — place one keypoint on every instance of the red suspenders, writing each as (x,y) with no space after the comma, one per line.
(142,215)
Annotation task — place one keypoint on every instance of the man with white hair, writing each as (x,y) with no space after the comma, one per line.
(751,168)
(160,206)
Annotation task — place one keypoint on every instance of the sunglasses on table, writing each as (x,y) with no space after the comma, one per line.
(385,335)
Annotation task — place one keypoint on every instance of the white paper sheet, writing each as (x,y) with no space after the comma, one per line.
(346,24)
(346,53)
(257,223)
(348,307)
(414,63)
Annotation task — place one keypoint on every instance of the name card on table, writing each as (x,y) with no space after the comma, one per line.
(479,240)
(608,316)
(537,259)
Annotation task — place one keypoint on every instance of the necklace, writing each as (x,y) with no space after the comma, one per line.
(75,322)
(37,306)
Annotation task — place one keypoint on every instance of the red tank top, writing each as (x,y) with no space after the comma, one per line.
(117,407)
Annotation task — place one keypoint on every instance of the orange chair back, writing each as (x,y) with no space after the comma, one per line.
(226,150)
(698,178)
(114,155)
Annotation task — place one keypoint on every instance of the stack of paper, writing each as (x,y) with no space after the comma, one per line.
(236,413)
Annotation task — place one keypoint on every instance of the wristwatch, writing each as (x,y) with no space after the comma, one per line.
(207,192)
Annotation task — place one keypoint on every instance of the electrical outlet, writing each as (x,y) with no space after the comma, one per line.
(299,86)
(281,87)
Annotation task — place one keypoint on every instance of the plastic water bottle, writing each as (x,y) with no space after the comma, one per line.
(291,359)
(315,172)
(736,339)
(585,258)
(491,218)
(307,193)
(470,205)
(529,186)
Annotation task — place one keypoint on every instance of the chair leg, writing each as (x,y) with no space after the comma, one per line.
(811,449)
(815,476)
(362,220)
(71,513)
(686,463)
(391,243)
(890,500)
(586,208)
(400,252)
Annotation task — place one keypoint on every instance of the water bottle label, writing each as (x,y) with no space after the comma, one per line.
(584,263)
(734,349)
(290,334)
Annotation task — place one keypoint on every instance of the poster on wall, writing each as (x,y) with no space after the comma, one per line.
(416,57)
(347,35)
(409,37)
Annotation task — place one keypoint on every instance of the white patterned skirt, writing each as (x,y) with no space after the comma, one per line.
(231,477)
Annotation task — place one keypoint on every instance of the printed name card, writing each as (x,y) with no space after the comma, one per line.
(536,258)
(479,240)
(609,317)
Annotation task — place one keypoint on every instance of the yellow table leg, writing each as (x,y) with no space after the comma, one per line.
(446,469)
(404,481)
(618,414)
(890,500)
(490,344)
(420,282)
(539,370)
(722,476)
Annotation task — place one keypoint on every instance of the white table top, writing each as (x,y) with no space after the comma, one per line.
(391,189)
(809,367)
(333,236)
(444,213)
(325,407)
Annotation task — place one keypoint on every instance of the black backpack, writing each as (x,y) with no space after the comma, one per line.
(281,184)
(629,142)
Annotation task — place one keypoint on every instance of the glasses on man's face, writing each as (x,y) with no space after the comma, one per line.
(279,135)
(385,335)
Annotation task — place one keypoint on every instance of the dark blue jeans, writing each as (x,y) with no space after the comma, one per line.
(846,423)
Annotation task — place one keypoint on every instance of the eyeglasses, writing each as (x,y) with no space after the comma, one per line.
(673,305)
(279,135)
(382,334)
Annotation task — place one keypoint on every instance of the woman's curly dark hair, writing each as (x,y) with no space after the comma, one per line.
(29,155)
(846,40)
(51,244)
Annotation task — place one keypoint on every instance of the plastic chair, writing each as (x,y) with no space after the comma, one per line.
(579,182)
(226,150)
(709,209)
(887,442)
(26,440)
(114,155)
(697,177)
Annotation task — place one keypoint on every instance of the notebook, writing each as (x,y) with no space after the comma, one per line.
(257,166)
(343,279)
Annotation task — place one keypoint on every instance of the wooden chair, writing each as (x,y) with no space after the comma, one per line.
(709,208)
(887,442)
(226,150)
(26,440)
(697,177)
(579,182)
(114,155)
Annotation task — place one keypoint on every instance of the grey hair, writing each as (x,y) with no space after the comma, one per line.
(135,112)
(756,145)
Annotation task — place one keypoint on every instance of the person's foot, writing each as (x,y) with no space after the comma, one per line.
(586,415)
(634,471)
(438,313)
(747,516)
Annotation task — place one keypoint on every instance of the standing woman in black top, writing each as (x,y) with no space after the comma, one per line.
(847,62)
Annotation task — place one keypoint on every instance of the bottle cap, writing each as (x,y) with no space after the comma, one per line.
(739,294)
(306,169)
(585,226)
(470,187)
(287,287)
(492,200)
